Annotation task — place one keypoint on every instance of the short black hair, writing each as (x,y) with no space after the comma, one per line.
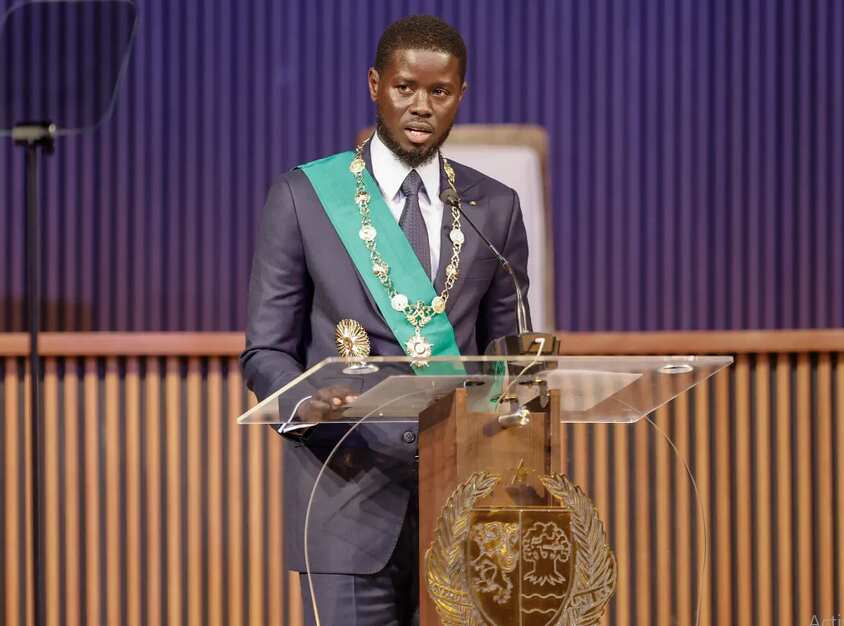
(420,32)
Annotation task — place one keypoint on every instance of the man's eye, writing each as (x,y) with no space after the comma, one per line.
(440,92)
(404,89)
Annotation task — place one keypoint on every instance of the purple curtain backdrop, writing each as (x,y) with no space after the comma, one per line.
(697,155)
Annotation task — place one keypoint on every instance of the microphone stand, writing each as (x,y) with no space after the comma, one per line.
(526,342)
(34,137)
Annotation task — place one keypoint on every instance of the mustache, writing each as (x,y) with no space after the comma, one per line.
(412,158)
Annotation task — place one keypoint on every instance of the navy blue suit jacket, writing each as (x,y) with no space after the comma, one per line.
(303,282)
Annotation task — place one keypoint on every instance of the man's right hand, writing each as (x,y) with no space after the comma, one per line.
(327,403)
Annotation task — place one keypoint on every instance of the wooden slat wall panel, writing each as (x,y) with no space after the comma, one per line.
(27,483)
(642,527)
(73,481)
(134,554)
(804,456)
(193,445)
(743,525)
(784,539)
(823,472)
(235,506)
(51,431)
(684,513)
(152,606)
(160,509)
(722,546)
(619,529)
(92,612)
(662,528)
(702,470)
(112,450)
(838,508)
(763,566)
(173,421)
(13,564)
(214,476)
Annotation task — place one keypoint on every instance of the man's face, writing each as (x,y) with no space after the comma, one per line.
(417,95)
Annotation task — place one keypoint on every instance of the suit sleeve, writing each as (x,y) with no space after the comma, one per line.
(280,296)
(497,317)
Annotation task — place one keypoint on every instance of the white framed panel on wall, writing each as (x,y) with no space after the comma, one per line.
(518,164)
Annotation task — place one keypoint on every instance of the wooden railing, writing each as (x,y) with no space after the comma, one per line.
(160,509)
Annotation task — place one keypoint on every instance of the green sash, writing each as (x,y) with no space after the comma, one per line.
(335,187)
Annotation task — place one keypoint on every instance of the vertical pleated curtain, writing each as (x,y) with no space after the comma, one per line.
(696,155)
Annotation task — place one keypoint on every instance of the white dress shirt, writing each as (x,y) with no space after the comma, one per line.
(390,173)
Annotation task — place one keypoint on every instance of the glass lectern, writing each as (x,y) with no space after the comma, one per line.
(505,536)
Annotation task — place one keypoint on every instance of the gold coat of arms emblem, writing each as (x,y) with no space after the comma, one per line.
(524,566)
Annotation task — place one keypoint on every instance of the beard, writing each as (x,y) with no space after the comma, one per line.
(412,158)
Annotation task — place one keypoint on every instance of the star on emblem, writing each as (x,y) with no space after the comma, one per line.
(520,474)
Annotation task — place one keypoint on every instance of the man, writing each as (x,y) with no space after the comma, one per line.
(313,267)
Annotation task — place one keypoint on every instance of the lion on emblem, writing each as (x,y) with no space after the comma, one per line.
(498,545)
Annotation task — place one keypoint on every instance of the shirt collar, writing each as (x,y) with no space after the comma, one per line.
(390,171)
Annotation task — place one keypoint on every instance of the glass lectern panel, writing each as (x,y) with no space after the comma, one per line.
(386,389)
(491,482)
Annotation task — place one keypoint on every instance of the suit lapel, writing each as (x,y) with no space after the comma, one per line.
(367,158)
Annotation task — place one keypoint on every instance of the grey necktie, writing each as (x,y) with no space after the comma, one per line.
(411,221)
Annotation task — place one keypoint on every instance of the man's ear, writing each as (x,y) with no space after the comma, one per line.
(463,89)
(373,80)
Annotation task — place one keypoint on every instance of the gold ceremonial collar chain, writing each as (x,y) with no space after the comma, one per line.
(419,313)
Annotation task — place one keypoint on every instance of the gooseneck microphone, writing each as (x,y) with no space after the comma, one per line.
(525,343)
(450,197)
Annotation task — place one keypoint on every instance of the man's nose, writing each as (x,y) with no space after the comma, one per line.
(421,104)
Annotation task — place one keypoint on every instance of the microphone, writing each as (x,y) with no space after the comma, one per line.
(449,196)
(526,338)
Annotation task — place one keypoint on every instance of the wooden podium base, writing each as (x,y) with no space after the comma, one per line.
(455,442)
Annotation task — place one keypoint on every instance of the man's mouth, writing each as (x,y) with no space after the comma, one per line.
(418,133)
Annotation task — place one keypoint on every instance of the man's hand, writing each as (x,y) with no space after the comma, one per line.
(328,403)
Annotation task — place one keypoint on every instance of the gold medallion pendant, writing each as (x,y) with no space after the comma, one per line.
(419,349)
(352,340)
(353,345)
(532,565)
